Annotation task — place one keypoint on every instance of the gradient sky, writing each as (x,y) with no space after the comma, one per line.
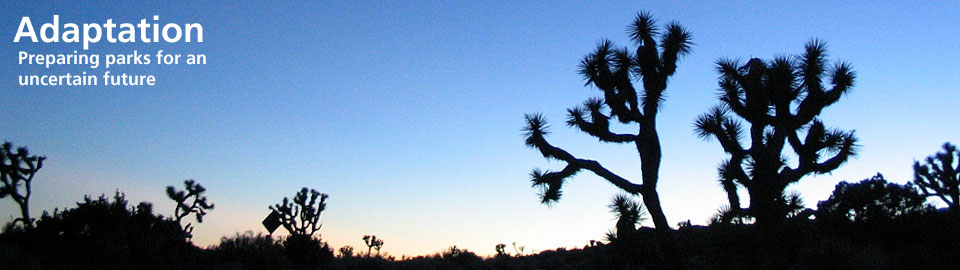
(409,115)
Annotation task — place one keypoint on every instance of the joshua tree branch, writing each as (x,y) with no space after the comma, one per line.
(599,127)
(536,131)
(575,164)
(725,130)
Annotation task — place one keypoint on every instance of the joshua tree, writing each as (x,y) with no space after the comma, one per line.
(199,206)
(17,168)
(779,100)
(502,250)
(613,71)
(302,217)
(372,243)
(940,179)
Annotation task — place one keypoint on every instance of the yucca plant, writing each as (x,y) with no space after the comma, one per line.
(198,206)
(629,214)
(302,217)
(613,70)
(779,100)
(373,243)
(17,169)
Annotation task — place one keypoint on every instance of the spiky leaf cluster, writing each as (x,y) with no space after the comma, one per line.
(629,214)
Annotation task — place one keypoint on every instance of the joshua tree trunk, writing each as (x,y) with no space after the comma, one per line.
(650,167)
(25,213)
(763,206)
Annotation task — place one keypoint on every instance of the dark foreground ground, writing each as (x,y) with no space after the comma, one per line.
(925,241)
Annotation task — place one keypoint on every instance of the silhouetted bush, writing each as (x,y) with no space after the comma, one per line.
(249,251)
(870,200)
(100,233)
(460,257)
(307,252)
(346,252)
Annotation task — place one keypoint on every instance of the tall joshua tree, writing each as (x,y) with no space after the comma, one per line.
(613,71)
(780,100)
(198,206)
(940,179)
(17,169)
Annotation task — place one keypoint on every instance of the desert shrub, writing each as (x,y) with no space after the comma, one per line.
(871,200)
(249,251)
(100,233)
(307,252)
(460,257)
(346,252)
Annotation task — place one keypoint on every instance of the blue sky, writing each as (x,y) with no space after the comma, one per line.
(409,114)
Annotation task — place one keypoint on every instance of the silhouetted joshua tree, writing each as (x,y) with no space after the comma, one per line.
(373,243)
(17,169)
(198,206)
(613,71)
(501,250)
(302,217)
(940,179)
(779,100)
